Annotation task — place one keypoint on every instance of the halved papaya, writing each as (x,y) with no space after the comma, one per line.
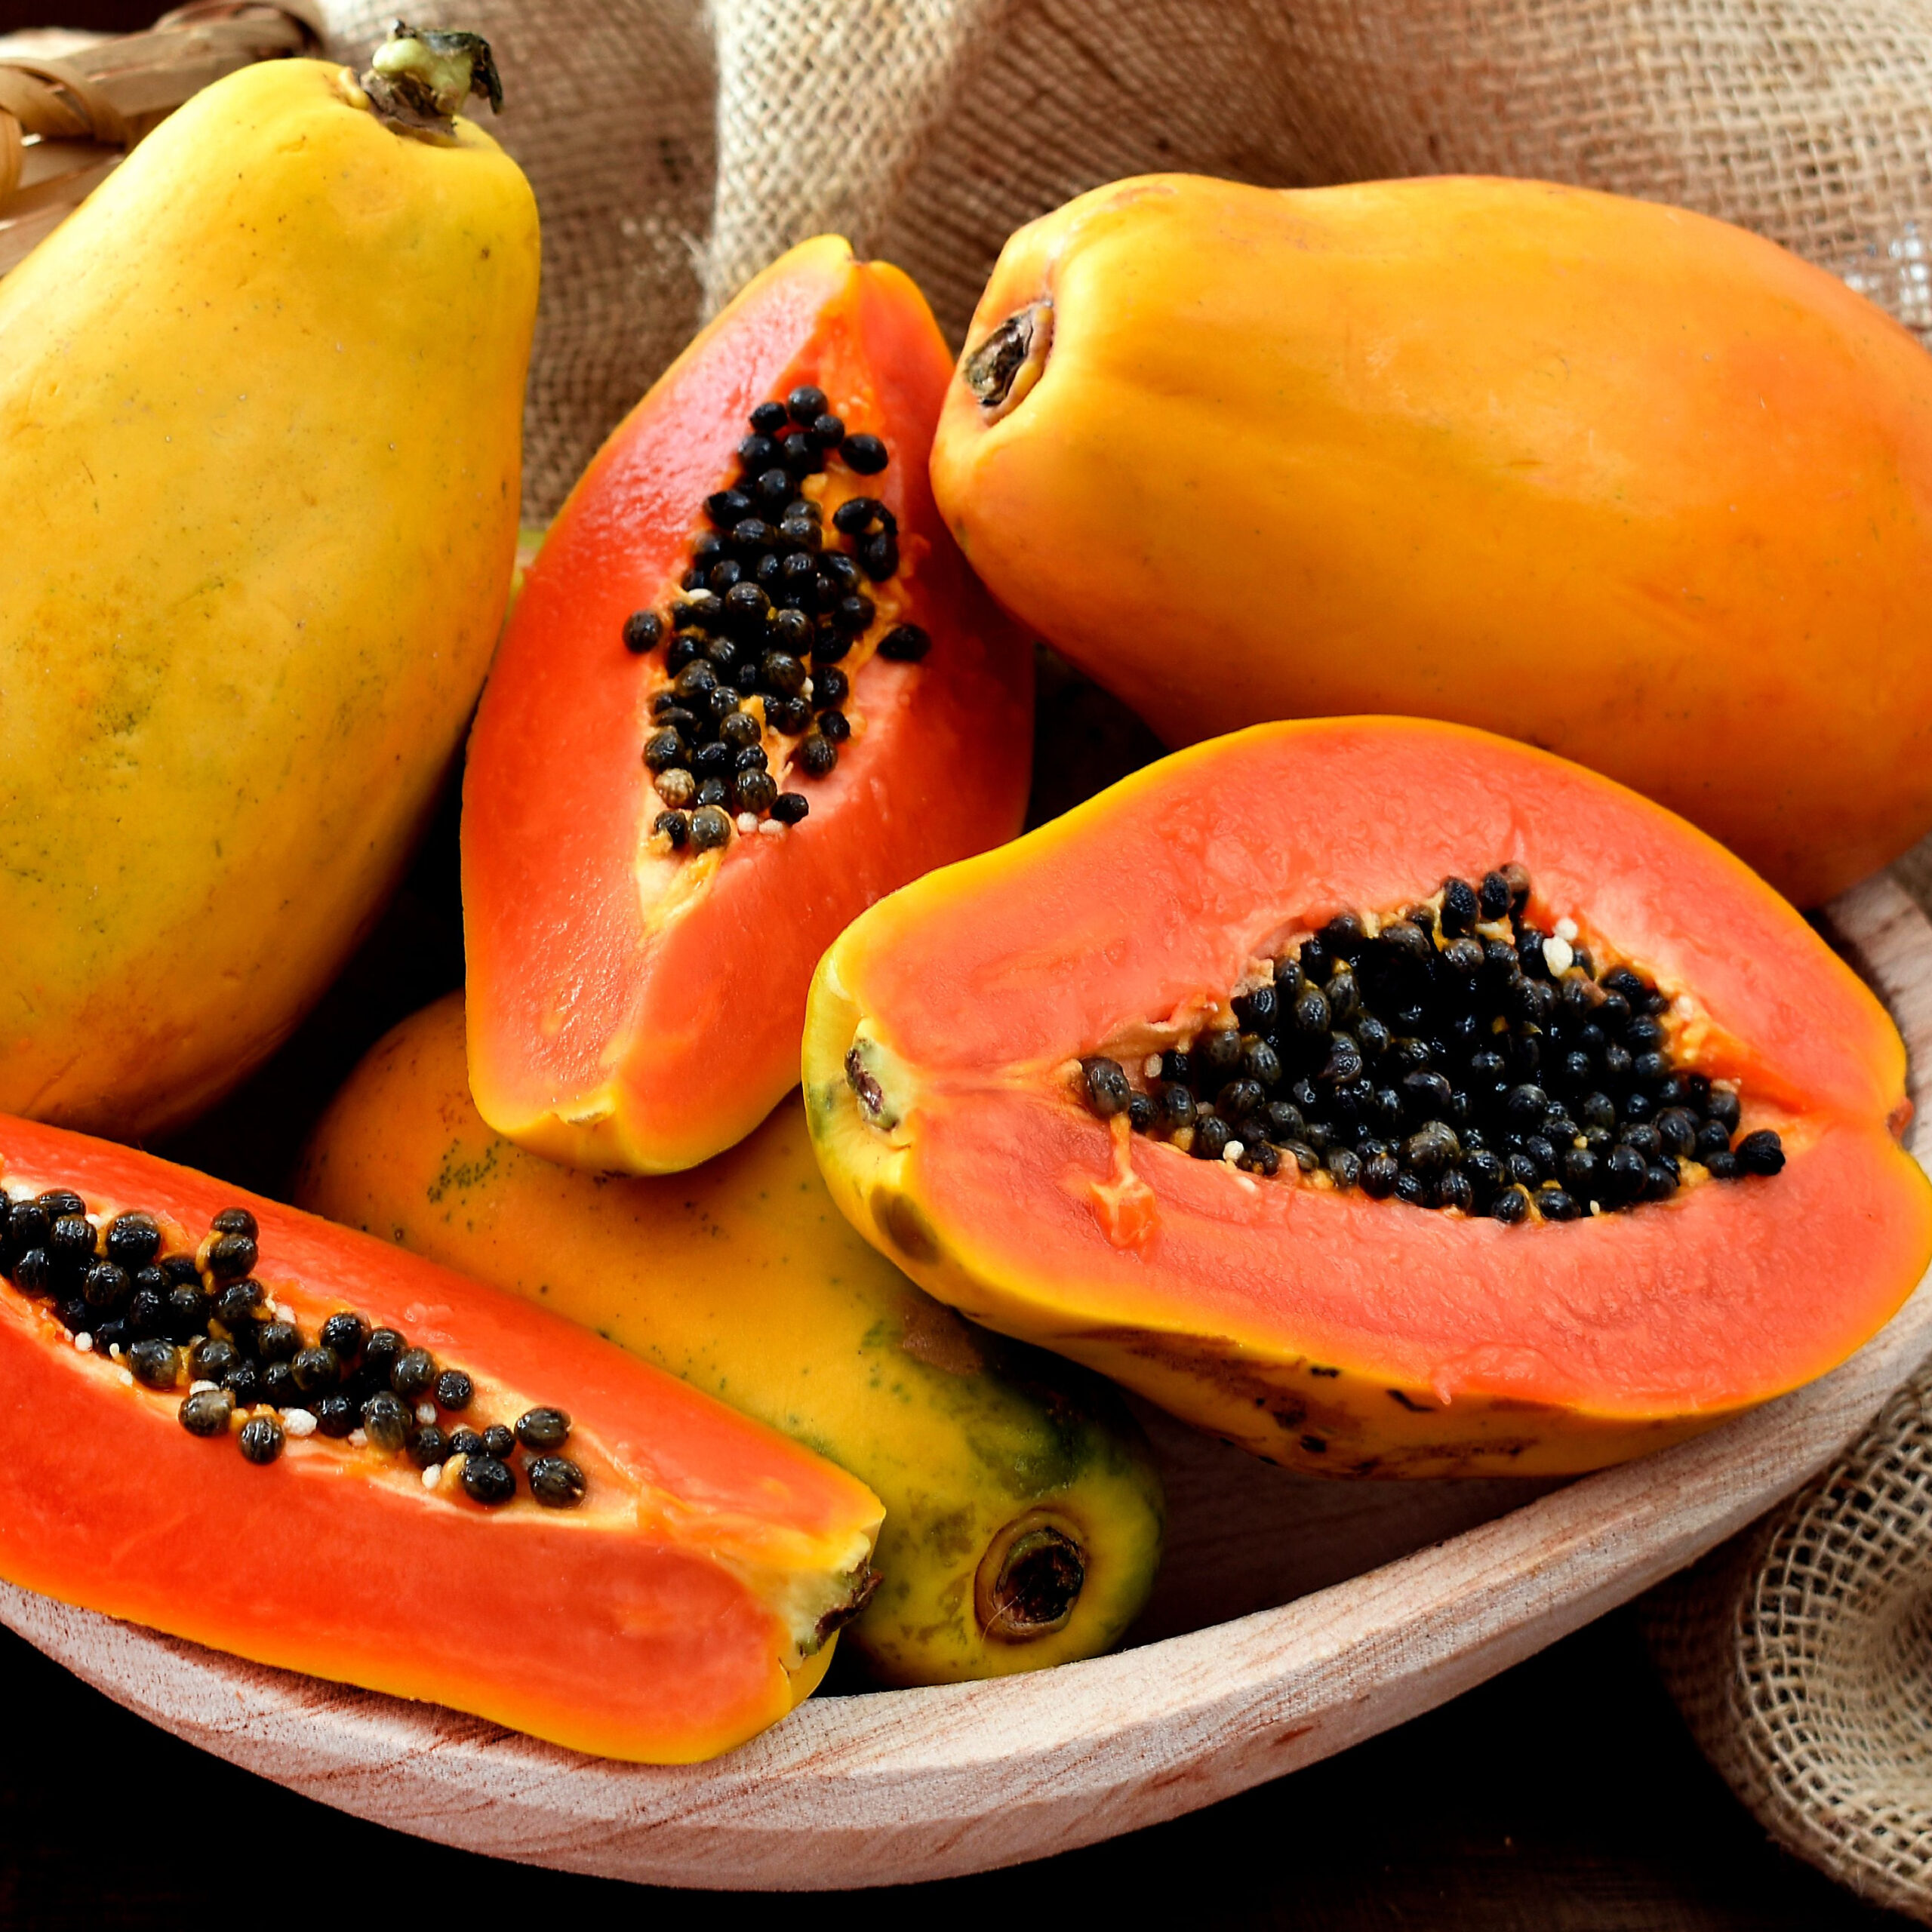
(749,687)
(1132,1087)
(241,1425)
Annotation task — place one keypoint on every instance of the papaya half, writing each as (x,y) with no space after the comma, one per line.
(239,1424)
(749,687)
(260,412)
(1386,1097)
(1611,477)
(1022,1511)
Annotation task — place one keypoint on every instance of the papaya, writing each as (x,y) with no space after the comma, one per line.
(1611,477)
(1022,1511)
(260,413)
(1385,1095)
(748,687)
(239,1424)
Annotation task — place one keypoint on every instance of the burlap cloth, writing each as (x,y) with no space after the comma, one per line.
(677,147)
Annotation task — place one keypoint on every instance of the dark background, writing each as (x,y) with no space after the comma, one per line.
(1565,1796)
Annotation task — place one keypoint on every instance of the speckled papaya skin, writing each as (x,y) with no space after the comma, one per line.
(1613,478)
(260,421)
(1339,1334)
(740,1278)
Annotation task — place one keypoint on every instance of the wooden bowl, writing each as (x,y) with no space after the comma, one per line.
(1294,1618)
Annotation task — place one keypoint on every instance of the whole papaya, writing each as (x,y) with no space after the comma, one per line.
(1619,480)
(261,402)
(1023,1512)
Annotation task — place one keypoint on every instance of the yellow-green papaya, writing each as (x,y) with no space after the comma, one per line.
(260,403)
(1023,1512)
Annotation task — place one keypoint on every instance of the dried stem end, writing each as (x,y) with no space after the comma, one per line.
(419,79)
(1029,1583)
(1001,369)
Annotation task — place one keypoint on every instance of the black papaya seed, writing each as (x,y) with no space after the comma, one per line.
(386,1420)
(207,1412)
(231,1255)
(155,1364)
(414,1373)
(556,1482)
(132,1241)
(487,1480)
(544,1429)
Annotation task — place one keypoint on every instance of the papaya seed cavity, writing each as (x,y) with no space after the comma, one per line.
(1451,1054)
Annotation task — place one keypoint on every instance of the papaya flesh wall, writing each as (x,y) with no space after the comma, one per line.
(1613,478)
(956,1063)
(749,687)
(1022,1510)
(669,1593)
(260,406)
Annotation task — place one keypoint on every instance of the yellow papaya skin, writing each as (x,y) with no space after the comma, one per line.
(1618,480)
(260,423)
(741,1278)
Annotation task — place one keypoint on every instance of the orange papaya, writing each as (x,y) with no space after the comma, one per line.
(239,1424)
(1387,1097)
(1611,477)
(748,687)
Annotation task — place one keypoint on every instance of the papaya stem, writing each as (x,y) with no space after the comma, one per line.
(418,78)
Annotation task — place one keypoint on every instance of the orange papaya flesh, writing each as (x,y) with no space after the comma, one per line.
(638,1007)
(1319,1326)
(683,1605)
(1612,478)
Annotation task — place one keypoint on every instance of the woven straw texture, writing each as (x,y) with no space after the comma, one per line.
(677,147)
(1799,1655)
(73,104)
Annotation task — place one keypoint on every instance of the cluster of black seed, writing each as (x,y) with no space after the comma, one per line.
(1449,1069)
(169,1318)
(772,604)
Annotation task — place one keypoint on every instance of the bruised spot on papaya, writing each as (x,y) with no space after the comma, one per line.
(905,1225)
(932,1333)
